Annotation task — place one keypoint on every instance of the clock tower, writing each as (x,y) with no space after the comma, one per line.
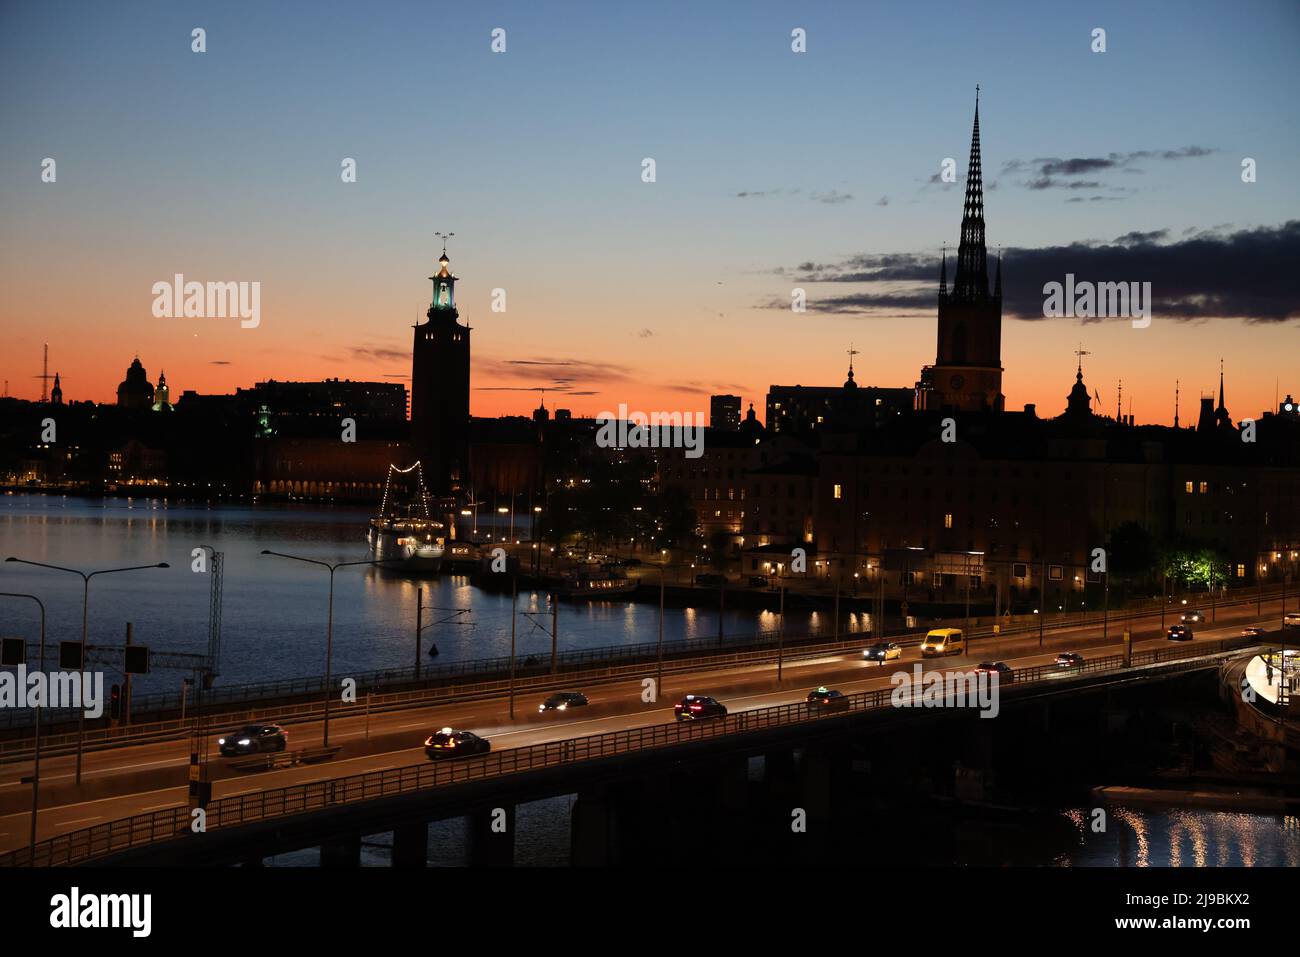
(440,388)
(967,372)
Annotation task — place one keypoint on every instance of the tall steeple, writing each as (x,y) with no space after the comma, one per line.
(967,370)
(1221,406)
(972,282)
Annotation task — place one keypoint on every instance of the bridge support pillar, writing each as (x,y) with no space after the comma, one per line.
(492,837)
(342,851)
(729,786)
(592,838)
(411,844)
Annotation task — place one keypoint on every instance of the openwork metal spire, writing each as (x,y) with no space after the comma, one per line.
(972,281)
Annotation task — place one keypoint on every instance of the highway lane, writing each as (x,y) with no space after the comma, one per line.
(397,737)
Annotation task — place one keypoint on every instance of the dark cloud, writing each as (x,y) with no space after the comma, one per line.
(1248,274)
(1043,172)
(219,362)
(1046,182)
(553,375)
(379,354)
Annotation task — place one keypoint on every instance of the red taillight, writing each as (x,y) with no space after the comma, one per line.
(697,707)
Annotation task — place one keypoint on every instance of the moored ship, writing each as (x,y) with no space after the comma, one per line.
(404,533)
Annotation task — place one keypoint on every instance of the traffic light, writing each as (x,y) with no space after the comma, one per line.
(13,651)
(136,660)
(115,702)
(71,656)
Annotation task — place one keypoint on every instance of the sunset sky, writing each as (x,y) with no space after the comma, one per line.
(774,170)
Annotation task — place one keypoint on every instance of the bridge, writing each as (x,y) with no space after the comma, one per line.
(403,795)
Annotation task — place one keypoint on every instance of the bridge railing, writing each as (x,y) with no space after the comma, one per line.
(143,829)
(243,699)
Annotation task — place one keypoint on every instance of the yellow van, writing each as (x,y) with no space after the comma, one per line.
(943,641)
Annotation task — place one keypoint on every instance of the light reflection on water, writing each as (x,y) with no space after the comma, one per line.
(274,613)
(1179,837)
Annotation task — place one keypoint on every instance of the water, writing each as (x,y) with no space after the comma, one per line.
(275,610)
(1184,838)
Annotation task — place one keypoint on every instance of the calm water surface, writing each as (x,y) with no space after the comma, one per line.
(274,612)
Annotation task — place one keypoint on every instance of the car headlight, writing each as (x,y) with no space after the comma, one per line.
(221,740)
(245,741)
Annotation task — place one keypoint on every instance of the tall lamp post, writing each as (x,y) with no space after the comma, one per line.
(85,620)
(329,626)
(36,746)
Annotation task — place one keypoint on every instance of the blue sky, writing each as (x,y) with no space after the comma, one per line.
(228,163)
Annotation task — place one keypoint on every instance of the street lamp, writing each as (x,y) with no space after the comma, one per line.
(36,747)
(329,626)
(85,620)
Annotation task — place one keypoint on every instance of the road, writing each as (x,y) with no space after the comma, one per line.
(149,777)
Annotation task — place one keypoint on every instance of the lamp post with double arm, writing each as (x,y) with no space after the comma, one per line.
(329,626)
(85,620)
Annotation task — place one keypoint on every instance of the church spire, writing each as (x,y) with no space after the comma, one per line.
(1221,407)
(972,282)
(943,272)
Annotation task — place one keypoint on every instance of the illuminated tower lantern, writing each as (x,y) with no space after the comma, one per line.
(440,387)
(967,372)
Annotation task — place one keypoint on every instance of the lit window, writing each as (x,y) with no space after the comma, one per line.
(839,490)
(1205,487)
(1188,488)
(947,520)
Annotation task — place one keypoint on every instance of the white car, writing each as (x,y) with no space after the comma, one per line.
(882,651)
(1291,619)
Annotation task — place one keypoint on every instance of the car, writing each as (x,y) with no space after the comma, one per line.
(882,651)
(695,707)
(943,641)
(1179,633)
(1252,631)
(449,743)
(563,701)
(999,668)
(253,739)
(1192,616)
(1291,619)
(1069,659)
(827,699)
(757,581)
